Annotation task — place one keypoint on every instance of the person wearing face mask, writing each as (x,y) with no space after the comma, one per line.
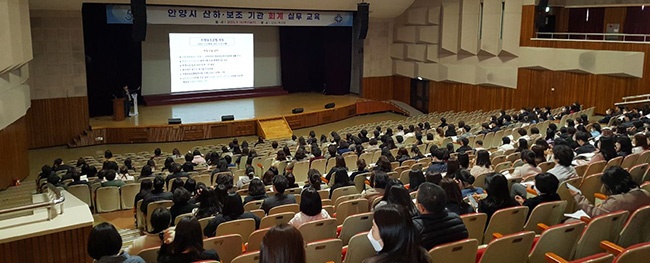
(546,185)
(393,237)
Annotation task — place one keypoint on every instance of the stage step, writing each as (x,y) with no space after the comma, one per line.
(272,129)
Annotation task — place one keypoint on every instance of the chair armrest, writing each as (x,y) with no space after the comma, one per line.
(542,227)
(553,258)
(611,247)
(585,219)
(600,196)
(497,235)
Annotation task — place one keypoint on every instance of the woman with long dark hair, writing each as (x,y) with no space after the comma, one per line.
(482,164)
(454,197)
(233,209)
(606,150)
(394,237)
(290,249)
(498,195)
(186,245)
(398,195)
(341,179)
(529,168)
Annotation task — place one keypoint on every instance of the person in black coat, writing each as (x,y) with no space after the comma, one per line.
(435,224)
(233,209)
(546,185)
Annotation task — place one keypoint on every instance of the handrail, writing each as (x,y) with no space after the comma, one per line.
(636,97)
(60,198)
(614,37)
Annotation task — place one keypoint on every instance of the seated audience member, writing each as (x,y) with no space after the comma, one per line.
(311,208)
(464,145)
(60,166)
(145,188)
(402,155)
(340,165)
(182,203)
(111,181)
(416,178)
(233,209)
(498,195)
(506,144)
(177,183)
(250,175)
(546,186)
(280,183)
(398,195)
(124,174)
(188,166)
(315,179)
(623,145)
(383,164)
(256,191)
(465,182)
(606,150)
(529,168)
(378,182)
(177,172)
(394,237)
(523,145)
(185,245)
(563,170)
(454,197)
(640,143)
(105,245)
(341,180)
(160,220)
(197,158)
(157,194)
(482,164)
(46,171)
(318,154)
(89,171)
(291,249)
(435,224)
(190,186)
(438,164)
(292,180)
(463,161)
(146,171)
(582,138)
(623,194)
(76,179)
(208,202)
(523,134)
(361,168)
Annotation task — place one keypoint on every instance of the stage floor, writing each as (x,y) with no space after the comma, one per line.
(243,109)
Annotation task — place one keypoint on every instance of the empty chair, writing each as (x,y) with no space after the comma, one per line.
(581,169)
(318,230)
(347,190)
(614,162)
(629,161)
(139,216)
(149,254)
(509,249)
(295,208)
(179,217)
(107,199)
(594,168)
(204,222)
(545,166)
(351,162)
(359,249)
(300,170)
(252,205)
(591,185)
(359,182)
(502,166)
(82,192)
(324,251)
(352,207)
(128,193)
(604,227)
(549,213)
(242,227)
(475,224)
(480,180)
(252,257)
(498,159)
(559,239)
(597,258)
(255,240)
(637,229)
(276,219)
(319,165)
(355,224)
(227,246)
(643,158)
(460,251)
(506,221)
(637,172)
(633,254)
(564,194)
(346,198)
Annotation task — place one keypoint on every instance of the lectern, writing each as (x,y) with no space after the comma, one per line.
(118,109)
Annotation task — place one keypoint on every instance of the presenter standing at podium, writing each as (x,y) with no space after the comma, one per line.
(128,99)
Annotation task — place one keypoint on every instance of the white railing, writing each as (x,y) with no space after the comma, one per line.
(55,197)
(594,36)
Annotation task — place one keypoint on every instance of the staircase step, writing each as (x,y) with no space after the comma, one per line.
(275,128)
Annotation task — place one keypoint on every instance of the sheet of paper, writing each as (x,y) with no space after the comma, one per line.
(573,188)
(577,215)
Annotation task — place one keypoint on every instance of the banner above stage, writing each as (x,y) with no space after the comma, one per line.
(121,14)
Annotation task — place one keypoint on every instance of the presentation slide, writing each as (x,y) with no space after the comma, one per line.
(206,61)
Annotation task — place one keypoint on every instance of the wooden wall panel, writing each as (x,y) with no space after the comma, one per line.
(561,19)
(66,246)
(615,15)
(13,156)
(52,122)
(378,88)
(402,89)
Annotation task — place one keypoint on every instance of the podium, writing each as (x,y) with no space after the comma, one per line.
(118,109)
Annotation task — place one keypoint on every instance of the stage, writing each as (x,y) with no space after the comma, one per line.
(202,120)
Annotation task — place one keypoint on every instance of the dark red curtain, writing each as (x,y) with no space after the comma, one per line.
(637,20)
(316,59)
(578,22)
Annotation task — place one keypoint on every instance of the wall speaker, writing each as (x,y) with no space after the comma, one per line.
(174,121)
(330,105)
(363,10)
(139,12)
(228,118)
(297,110)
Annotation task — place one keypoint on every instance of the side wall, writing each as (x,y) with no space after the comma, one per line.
(58,83)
